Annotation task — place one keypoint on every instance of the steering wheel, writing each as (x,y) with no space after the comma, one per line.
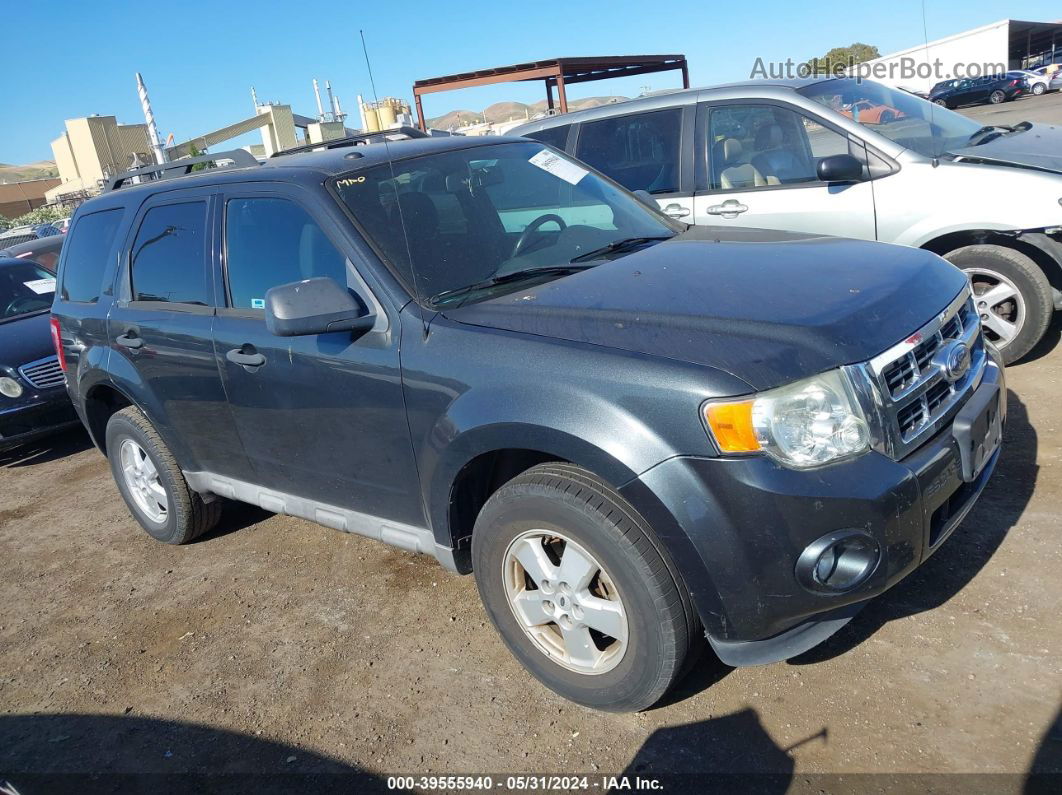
(15,307)
(533,227)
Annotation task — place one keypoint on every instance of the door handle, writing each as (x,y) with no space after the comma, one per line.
(676,211)
(731,208)
(246,356)
(129,339)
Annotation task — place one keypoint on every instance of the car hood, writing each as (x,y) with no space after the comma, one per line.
(765,307)
(1038,147)
(25,339)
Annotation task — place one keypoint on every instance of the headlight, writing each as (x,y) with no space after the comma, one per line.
(805,424)
(10,387)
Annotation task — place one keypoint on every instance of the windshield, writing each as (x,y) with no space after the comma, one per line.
(487,213)
(25,288)
(909,121)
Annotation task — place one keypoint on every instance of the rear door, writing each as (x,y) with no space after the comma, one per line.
(321,417)
(646,151)
(757,168)
(162,327)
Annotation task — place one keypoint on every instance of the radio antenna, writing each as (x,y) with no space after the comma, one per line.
(394,185)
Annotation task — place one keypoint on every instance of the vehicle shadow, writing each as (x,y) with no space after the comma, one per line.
(1045,772)
(112,753)
(1048,342)
(47,448)
(964,554)
(726,754)
(234,516)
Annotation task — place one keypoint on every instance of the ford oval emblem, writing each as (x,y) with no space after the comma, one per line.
(953,360)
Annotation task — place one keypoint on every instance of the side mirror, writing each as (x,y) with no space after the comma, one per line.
(314,306)
(646,198)
(840,168)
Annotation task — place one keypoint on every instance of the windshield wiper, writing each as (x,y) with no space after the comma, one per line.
(618,245)
(988,128)
(505,278)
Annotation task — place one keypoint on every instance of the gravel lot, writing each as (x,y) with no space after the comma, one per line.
(275,646)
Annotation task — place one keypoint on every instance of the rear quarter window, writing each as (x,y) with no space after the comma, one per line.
(553,136)
(89,248)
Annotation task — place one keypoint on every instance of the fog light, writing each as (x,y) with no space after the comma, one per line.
(838,562)
(10,387)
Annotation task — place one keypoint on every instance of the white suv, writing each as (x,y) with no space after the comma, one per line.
(851,158)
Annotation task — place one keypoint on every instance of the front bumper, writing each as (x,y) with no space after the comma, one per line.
(35,414)
(749,519)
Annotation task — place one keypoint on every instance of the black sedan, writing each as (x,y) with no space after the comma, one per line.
(33,399)
(44,250)
(976,91)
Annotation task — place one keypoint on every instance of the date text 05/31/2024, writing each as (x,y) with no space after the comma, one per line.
(524,782)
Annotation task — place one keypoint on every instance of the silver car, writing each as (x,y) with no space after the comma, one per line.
(851,158)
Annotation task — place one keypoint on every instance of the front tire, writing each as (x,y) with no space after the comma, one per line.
(1039,89)
(151,482)
(580,591)
(1011,294)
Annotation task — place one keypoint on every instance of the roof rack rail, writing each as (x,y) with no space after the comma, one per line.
(240,158)
(357,139)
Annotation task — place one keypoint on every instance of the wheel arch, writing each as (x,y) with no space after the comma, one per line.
(1037,246)
(480,461)
(100,403)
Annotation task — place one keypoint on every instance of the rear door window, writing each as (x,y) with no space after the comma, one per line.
(89,247)
(271,241)
(639,151)
(168,263)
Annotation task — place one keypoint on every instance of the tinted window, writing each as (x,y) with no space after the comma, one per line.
(89,246)
(755,146)
(640,151)
(271,241)
(169,262)
(25,287)
(554,136)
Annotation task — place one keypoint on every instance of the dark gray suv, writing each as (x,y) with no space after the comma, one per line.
(636,434)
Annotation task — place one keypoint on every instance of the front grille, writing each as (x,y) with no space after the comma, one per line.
(43,373)
(916,394)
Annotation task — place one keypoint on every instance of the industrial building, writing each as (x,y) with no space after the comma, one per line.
(92,148)
(999,46)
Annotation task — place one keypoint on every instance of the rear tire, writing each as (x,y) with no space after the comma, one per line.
(997,97)
(541,516)
(1011,294)
(151,482)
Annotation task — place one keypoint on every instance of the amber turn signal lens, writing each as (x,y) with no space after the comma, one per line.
(731,425)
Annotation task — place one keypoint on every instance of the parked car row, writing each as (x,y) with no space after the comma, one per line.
(635,432)
(850,158)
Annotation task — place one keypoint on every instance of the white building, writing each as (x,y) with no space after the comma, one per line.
(997,47)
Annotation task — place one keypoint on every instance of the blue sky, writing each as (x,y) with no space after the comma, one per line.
(199,63)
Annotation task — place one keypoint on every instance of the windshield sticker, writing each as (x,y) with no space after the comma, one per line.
(257,303)
(559,167)
(41,286)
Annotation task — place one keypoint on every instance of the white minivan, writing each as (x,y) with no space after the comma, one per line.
(852,158)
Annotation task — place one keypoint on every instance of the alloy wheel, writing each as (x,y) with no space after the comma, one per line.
(565,602)
(999,304)
(142,481)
